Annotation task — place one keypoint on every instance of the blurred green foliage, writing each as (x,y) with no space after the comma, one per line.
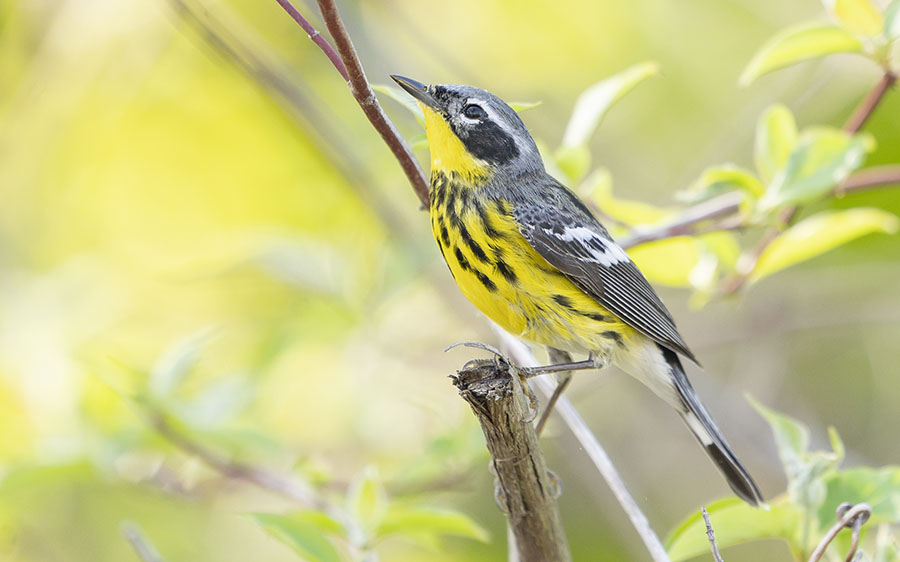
(153,189)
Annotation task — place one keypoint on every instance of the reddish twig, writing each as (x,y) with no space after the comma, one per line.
(852,126)
(870,102)
(316,37)
(352,71)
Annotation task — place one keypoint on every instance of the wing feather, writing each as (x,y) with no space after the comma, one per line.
(574,242)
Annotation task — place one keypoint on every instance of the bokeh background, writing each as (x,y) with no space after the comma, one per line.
(157,198)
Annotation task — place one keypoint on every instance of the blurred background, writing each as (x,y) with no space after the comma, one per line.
(174,229)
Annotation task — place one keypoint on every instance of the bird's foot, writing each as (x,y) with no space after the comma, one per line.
(501,361)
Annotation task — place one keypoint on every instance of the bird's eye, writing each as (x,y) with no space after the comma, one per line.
(473,111)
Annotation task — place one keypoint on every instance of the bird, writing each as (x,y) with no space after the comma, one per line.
(532,257)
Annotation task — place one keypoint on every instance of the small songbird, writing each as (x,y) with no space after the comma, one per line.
(532,257)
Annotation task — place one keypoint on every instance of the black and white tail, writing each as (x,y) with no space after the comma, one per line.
(704,428)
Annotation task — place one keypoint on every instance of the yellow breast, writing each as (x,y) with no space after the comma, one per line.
(506,279)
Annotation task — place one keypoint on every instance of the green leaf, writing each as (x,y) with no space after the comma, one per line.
(791,437)
(520,106)
(419,142)
(597,189)
(719,179)
(668,262)
(892,21)
(177,361)
(806,472)
(820,233)
(367,500)
(879,487)
(822,159)
(574,162)
(798,43)
(776,137)
(303,535)
(735,522)
(403,99)
(595,101)
(856,16)
(426,525)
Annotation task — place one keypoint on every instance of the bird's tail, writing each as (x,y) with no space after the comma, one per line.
(704,428)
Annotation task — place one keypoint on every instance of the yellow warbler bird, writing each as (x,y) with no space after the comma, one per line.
(531,256)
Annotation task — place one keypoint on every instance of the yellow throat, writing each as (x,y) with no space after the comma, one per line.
(448,153)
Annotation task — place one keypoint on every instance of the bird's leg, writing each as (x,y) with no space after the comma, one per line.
(562,382)
(562,363)
(592,362)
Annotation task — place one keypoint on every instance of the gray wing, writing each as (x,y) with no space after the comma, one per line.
(574,242)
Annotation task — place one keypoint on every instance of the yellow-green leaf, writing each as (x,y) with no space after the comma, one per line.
(735,522)
(857,16)
(367,499)
(822,159)
(299,533)
(667,262)
(892,21)
(820,233)
(574,162)
(776,137)
(520,106)
(719,179)
(798,43)
(597,188)
(595,101)
(426,525)
(403,99)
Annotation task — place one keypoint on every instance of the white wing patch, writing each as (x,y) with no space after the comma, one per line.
(599,250)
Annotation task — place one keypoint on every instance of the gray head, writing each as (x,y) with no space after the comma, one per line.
(471,120)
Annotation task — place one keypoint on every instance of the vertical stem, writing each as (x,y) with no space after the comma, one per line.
(524,488)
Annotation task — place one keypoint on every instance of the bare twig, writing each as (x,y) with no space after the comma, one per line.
(711,536)
(722,206)
(365,97)
(870,102)
(272,481)
(316,38)
(142,547)
(588,441)
(853,125)
(853,517)
(237,46)
(525,490)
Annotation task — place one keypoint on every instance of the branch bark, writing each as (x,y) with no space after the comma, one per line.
(525,490)
(366,99)
(588,441)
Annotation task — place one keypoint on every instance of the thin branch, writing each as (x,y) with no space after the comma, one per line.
(870,102)
(316,38)
(238,47)
(141,545)
(588,441)
(270,480)
(727,205)
(852,126)
(868,178)
(711,536)
(366,99)
(853,517)
(685,224)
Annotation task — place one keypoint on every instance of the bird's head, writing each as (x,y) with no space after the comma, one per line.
(473,132)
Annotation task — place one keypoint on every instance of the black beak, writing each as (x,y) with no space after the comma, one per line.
(416,90)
